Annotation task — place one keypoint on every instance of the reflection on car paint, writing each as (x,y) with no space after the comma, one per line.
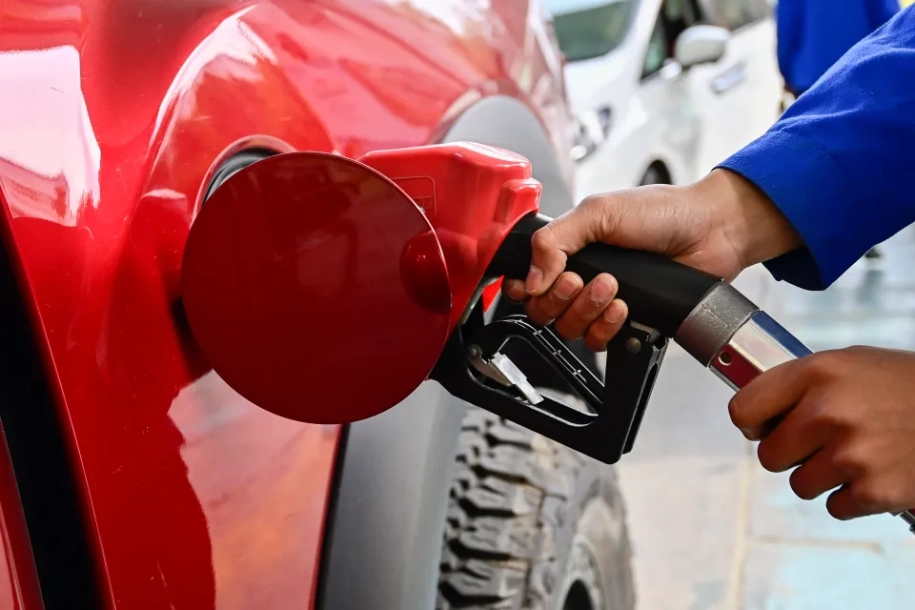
(115,113)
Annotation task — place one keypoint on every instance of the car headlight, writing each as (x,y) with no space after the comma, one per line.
(593,129)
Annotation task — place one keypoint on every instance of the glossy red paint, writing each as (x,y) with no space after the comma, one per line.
(297,240)
(113,115)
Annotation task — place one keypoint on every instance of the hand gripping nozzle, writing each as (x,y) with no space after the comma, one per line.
(523,372)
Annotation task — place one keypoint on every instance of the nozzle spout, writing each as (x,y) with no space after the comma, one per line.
(729,334)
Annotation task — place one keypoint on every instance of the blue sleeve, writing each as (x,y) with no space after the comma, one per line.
(838,163)
(788,24)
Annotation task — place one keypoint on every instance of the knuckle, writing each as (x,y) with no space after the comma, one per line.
(869,496)
(822,414)
(542,239)
(817,366)
(569,327)
(592,201)
(848,463)
(859,350)
(598,212)
(859,454)
(845,463)
(534,310)
(573,278)
(565,290)
(602,330)
(831,416)
(898,498)
(825,365)
(552,303)
(595,343)
(554,307)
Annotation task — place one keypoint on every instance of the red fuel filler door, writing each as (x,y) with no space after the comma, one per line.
(326,290)
(323,289)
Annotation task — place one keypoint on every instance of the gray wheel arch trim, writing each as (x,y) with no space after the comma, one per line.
(383,540)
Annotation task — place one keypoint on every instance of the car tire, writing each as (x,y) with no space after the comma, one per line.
(532,524)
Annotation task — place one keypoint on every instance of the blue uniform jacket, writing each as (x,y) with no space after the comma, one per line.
(814,34)
(839,162)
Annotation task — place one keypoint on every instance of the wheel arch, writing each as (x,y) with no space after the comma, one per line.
(383,540)
(663,168)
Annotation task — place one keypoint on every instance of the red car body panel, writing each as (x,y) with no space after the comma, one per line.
(114,114)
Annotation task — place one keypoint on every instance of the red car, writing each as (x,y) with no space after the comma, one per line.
(133,477)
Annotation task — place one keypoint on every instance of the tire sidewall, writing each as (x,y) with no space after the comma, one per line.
(593,518)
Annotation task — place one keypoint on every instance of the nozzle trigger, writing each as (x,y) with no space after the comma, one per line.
(525,373)
(500,368)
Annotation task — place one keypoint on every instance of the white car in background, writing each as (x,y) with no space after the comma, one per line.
(665,89)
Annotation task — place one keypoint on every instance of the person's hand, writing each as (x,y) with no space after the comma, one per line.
(847,418)
(722,224)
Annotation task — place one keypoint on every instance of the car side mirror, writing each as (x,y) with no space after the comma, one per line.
(701,44)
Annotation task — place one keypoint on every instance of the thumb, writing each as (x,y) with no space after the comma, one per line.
(553,244)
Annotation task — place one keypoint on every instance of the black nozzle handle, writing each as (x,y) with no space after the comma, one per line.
(660,292)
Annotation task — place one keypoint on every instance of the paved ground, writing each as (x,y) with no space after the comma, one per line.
(712,530)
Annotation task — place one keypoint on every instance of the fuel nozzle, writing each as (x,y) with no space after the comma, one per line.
(709,318)
(599,418)
(705,315)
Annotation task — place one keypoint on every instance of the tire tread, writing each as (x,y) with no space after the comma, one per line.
(508,501)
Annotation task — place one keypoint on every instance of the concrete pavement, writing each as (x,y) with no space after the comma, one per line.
(711,529)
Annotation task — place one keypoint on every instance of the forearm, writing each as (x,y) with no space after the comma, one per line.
(837,164)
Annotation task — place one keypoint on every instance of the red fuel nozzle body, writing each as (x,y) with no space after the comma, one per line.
(473,196)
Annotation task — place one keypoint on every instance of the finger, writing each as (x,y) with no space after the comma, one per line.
(587,307)
(546,308)
(852,501)
(605,327)
(769,395)
(562,237)
(514,291)
(795,438)
(817,475)
(760,432)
